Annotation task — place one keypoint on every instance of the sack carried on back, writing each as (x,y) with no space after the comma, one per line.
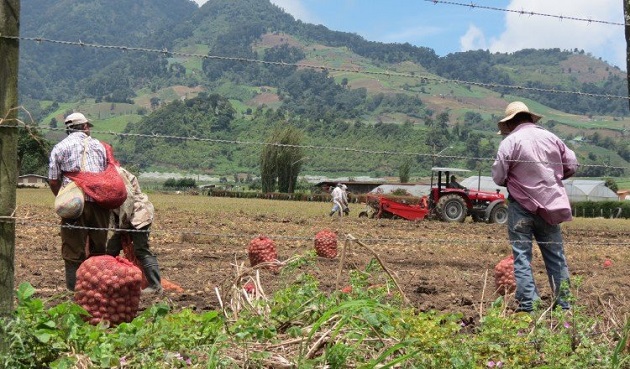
(70,201)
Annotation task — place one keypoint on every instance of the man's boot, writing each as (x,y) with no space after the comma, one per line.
(151,271)
(71,274)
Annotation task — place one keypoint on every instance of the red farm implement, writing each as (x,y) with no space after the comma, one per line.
(380,206)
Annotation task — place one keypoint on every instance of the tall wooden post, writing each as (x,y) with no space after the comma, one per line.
(9,55)
(626,17)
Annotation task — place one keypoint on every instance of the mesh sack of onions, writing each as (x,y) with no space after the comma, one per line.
(109,289)
(326,244)
(262,250)
(504,281)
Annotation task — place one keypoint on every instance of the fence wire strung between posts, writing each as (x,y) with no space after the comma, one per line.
(422,78)
(28,222)
(526,12)
(319,147)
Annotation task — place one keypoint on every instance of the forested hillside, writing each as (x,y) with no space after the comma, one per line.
(230,71)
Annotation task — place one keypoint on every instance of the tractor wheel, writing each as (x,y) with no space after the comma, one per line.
(452,208)
(499,214)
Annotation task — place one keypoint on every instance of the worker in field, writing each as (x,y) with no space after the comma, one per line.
(133,224)
(339,199)
(79,152)
(532,162)
(344,203)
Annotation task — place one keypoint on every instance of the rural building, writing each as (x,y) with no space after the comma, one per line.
(623,195)
(32,180)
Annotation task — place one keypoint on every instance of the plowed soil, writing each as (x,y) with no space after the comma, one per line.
(447,267)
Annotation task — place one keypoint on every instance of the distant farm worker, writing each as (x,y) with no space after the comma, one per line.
(136,214)
(338,199)
(454,184)
(79,152)
(346,208)
(532,162)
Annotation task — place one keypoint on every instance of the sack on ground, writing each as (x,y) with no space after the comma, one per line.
(108,288)
(70,201)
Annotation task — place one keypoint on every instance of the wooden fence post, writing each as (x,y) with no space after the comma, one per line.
(9,56)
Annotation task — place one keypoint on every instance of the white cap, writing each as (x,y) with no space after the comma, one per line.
(75,119)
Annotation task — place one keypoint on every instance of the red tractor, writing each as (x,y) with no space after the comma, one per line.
(452,202)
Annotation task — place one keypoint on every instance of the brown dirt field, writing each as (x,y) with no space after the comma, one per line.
(439,266)
(265,98)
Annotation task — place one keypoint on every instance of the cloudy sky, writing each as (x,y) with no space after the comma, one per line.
(448,28)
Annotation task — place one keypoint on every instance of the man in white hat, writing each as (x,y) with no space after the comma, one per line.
(532,162)
(79,152)
(339,199)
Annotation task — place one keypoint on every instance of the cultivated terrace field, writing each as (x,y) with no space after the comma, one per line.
(399,294)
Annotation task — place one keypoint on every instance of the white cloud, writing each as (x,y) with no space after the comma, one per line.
(474,39)
(540,32)
(296,9)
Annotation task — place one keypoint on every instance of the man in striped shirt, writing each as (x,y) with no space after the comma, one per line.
(79,152)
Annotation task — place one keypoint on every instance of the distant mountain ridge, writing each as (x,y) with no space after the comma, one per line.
(383,95)
(176,24)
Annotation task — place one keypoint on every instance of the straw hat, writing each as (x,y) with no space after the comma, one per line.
(518,107)
(512,109)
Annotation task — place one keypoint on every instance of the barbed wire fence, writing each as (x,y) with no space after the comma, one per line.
(371,240)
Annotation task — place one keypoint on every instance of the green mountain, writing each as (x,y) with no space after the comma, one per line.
(230,71)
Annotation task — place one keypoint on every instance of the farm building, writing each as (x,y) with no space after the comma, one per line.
(32,180)
(577,189)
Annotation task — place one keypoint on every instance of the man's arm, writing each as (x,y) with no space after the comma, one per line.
(500,169)
(569,162)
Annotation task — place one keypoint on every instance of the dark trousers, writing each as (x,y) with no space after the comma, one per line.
(78,243)
(145,257)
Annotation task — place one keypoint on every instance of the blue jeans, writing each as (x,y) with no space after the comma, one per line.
(522,227)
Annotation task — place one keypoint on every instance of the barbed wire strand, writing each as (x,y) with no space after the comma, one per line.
(373,240)
(422,78)
(331,148)
(526,12)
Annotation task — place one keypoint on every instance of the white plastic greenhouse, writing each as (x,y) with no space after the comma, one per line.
(589,190)
(577,189)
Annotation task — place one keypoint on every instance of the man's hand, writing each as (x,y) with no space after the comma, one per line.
(55,186)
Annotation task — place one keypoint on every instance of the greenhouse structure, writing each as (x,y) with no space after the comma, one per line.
(577,189)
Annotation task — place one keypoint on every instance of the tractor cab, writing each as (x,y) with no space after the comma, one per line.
(452,202)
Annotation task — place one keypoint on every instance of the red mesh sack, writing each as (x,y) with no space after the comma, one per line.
(127,246)
(109,289)
(504,281)
(261,250)
(107,188)
(326,244)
